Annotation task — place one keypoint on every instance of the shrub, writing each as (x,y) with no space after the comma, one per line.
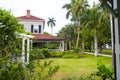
(41,71)
(83,77)
(105,71)
(56,54)
(67,52)
(32,71)
(10,70)
(36,54)
(45,52)
(77,50)
(71,56)
(107,51)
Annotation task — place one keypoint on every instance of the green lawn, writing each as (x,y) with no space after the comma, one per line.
(76,67)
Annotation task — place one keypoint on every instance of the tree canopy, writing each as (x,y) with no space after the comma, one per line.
(8,40)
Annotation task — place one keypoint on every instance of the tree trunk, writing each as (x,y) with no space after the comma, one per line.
(51,30)
(78,35)
(83,44)
(96,51)
(69,45)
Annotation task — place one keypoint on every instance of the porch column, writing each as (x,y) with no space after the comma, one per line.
(28,49)
(62,45)
(31,44)
(23,50)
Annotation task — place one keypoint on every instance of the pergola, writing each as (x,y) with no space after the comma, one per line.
(26,40)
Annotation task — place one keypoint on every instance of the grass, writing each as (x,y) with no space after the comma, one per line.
(86,64)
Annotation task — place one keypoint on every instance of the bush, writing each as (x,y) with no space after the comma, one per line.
(56,54)
(32,71)
(67,52)
(77,50)
(71,56)
(10,70)
(83,77)
(105,71)
(45,52)
(36,54)
(107,51)
(41,71)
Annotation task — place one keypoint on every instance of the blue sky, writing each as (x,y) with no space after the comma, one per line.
(40,8)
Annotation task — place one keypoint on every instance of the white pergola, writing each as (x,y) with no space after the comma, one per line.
(24,58)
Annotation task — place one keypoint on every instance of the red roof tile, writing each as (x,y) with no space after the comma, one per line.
(30,17)
(46,37)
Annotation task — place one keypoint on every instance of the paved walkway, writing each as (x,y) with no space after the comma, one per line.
(98,54)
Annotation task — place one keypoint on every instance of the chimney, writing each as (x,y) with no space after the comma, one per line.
(28,13)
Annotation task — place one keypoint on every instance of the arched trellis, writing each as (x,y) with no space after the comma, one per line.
(26,40)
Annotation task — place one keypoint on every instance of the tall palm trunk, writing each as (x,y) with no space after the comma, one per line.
(51,30)
(78,34)
(83,44)
(95,39)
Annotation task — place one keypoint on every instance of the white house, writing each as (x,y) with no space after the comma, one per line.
(36,26)
(32,23)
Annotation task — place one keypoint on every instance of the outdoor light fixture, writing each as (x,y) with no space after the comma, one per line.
(109,5)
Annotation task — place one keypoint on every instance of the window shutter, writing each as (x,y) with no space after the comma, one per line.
(39,28)
(32,27)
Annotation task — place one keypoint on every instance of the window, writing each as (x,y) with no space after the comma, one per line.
(32,27)
(39,28)
(35,30)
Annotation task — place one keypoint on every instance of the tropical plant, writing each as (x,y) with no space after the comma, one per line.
(36,54)
(105,71)
(51,22)
(8,40)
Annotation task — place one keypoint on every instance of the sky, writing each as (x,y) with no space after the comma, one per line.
(41,8)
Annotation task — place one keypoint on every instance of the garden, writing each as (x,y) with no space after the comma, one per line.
(74,65)
(71,64)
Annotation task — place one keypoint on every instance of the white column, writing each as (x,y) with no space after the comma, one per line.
(30,44)
(28,49)
(23,50)
(62,45)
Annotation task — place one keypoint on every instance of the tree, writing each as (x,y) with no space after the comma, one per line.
(97,24)
(68,34)
(75,9)
(51,22)
(8,40)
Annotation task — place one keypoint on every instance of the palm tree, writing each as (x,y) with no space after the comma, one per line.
(97,23)
(75,9)
(51,22)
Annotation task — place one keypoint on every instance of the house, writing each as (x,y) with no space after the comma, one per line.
(36,26)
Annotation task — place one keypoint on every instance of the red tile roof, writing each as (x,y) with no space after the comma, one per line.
(31,17)
(46,37)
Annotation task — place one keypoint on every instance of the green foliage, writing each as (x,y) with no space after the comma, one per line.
(8,40)
(107,51)
(10,70)
(45,52)
(77,50)
(36,54)
(75,56)
(68,52)
(105,71)
(83,77)
(42,71)
(32,71)
(56,54)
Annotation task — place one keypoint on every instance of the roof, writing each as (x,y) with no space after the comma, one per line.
(47,37)
(28,16)
(31,17)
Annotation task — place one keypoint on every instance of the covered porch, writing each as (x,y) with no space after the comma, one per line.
(50,42)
